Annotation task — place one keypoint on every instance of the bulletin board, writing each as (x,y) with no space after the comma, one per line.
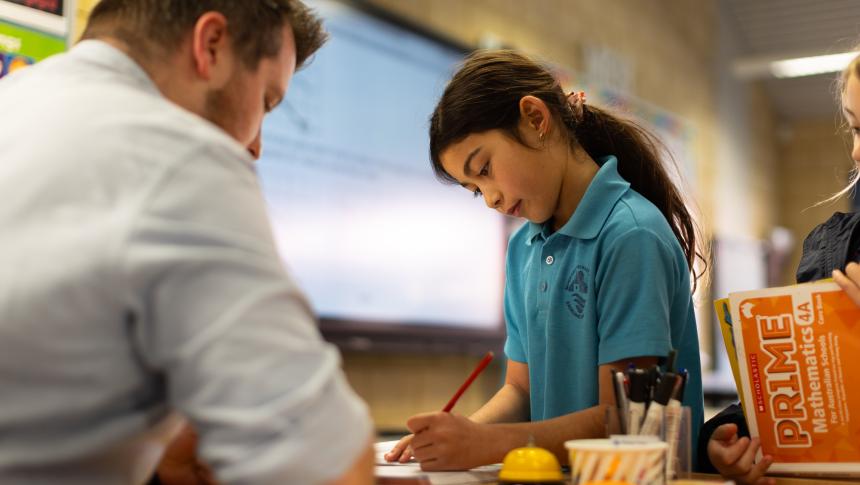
(30,31)
(21,46)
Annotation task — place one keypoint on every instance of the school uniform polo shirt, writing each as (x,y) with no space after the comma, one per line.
(611,284)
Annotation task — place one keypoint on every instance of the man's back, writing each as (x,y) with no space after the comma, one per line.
(138,275)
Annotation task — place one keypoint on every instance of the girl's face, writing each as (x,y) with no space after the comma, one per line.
(851,110)
(513,179)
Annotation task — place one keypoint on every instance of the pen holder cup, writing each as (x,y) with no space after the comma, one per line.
(631,460)
(674,429)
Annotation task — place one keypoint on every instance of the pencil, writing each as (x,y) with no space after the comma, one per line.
(481,366)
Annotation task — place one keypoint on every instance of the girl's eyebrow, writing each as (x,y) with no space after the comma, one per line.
(466,168)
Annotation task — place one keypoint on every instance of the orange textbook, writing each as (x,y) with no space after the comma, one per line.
(798,350)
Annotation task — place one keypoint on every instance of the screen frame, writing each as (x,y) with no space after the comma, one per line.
(375,336)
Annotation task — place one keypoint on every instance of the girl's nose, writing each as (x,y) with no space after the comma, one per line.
(492,199)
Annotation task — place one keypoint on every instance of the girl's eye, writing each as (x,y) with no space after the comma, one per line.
(476,193)
(485,170)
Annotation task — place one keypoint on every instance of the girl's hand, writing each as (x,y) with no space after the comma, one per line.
(733,457)
(446,441)
(402,451)
(849,281)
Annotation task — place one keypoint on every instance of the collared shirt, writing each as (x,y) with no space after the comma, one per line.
(138,276)
(611,284)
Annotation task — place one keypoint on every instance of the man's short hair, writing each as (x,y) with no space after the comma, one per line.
(255,26)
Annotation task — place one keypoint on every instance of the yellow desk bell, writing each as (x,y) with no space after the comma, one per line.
(530,465)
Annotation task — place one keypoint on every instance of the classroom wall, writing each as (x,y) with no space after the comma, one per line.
(815,158)
(670,48)
(742,182)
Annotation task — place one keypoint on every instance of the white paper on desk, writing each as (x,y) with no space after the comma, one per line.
(484,474)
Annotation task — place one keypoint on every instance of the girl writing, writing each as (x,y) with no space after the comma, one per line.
(598,278)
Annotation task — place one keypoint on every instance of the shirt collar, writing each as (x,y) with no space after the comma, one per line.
(101,53)
(594,208)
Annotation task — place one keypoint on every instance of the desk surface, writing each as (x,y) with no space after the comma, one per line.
(411,474)
(788,480)
(461,480)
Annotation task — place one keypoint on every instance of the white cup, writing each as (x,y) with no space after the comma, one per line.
(639,460)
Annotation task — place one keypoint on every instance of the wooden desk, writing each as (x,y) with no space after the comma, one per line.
(788,480)
(695,476)
(384,477)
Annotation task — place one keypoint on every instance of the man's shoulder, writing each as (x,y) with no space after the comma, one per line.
(108,109)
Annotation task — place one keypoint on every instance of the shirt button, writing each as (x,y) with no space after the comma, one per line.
(543,286)
(549,260)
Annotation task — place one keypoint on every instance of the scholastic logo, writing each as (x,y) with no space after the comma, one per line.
(756,383)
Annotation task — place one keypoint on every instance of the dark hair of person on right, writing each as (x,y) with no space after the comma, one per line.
(156,27)
(484,95)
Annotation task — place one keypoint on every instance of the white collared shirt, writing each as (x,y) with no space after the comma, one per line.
(138,276)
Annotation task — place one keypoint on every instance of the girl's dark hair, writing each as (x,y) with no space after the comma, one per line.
(485,94)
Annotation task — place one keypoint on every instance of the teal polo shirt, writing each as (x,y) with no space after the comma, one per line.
(611,284)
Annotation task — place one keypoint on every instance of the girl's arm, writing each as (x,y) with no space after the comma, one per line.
(511,403)
(445,441)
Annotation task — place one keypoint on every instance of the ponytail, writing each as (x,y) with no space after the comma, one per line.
(600,133)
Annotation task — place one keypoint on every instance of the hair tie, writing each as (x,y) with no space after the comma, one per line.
(576,100)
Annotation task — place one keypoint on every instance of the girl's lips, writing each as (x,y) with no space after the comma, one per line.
(515,210)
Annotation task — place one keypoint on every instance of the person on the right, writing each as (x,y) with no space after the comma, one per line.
(831,250)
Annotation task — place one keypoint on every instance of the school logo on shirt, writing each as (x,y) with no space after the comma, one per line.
(577,289)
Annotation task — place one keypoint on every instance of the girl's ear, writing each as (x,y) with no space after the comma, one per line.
(536,114)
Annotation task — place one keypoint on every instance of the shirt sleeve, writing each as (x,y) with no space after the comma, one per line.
(514,348)
(212,309)
(635,283)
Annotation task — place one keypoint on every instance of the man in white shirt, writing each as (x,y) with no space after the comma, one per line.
(138,275)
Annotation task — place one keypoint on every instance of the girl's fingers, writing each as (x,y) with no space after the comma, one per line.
(745,462)
(758,470)
(725,432)
(399,449)
(847,285)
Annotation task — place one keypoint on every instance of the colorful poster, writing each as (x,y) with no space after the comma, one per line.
(20,47)
(50,6)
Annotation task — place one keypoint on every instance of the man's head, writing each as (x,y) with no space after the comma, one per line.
(158,27)
(228,61)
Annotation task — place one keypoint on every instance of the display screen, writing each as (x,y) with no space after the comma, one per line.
(360,219)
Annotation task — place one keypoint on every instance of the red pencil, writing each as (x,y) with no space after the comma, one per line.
(481,366)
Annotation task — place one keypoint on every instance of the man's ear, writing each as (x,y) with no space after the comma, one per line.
(535,113)
(211,50)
